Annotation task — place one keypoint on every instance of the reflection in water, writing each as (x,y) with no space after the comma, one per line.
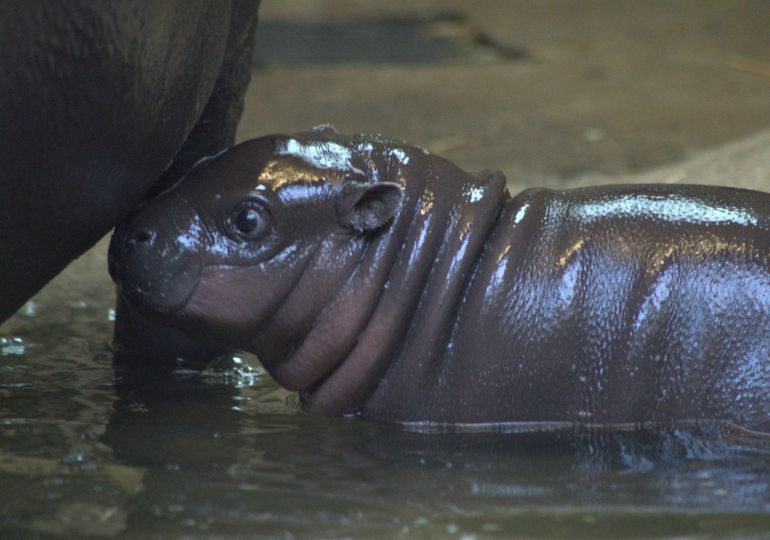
(89,447)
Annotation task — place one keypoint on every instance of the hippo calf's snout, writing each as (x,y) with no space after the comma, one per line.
(153,259)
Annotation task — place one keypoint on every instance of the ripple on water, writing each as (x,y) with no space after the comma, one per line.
(14,346)
(241,370)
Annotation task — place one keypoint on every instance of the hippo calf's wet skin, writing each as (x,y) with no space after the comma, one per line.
(382,280)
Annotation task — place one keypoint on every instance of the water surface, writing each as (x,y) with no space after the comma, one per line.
(86,452)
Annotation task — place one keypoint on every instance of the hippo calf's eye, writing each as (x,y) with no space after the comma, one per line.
(248,220)
(246,223)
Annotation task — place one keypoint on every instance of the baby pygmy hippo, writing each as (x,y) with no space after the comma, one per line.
(382,280)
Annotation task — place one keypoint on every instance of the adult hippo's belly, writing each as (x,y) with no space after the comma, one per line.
(379,279)
(98,100)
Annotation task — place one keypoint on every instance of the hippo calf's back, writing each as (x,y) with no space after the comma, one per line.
(608,305)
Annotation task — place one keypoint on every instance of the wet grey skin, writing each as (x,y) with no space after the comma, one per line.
(381,280)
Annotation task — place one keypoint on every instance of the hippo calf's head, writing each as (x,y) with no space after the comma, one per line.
(249,248)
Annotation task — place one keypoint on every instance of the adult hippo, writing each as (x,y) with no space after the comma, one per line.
(101,99)
(379,279)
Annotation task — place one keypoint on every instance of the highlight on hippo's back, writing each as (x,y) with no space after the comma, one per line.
(378,279)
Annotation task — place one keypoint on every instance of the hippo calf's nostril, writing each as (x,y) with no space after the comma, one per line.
(142,237)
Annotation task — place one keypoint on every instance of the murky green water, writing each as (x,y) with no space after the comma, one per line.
(87,453)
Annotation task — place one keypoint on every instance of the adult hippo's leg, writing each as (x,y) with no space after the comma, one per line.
(100,98)
(215,129)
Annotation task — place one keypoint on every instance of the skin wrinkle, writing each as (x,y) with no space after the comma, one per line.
(668,383)
(310,346)
(440,293)
(523,227)
(509,250)
(319,316)
(359,353)
(461,301)
(275,314)
(423,289)
(356,346)
(664,306)
(453,313)
(324,316)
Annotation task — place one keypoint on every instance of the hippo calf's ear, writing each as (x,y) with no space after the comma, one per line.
(367,207)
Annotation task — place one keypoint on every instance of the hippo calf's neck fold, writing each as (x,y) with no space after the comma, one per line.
(379,279)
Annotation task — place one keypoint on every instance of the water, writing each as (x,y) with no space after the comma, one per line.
(87,451)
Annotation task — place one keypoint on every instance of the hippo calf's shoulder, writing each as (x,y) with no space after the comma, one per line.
(379,279)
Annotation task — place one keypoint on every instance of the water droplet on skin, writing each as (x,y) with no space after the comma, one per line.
(673,208)
(475,194)
(323,155)
(400,156)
